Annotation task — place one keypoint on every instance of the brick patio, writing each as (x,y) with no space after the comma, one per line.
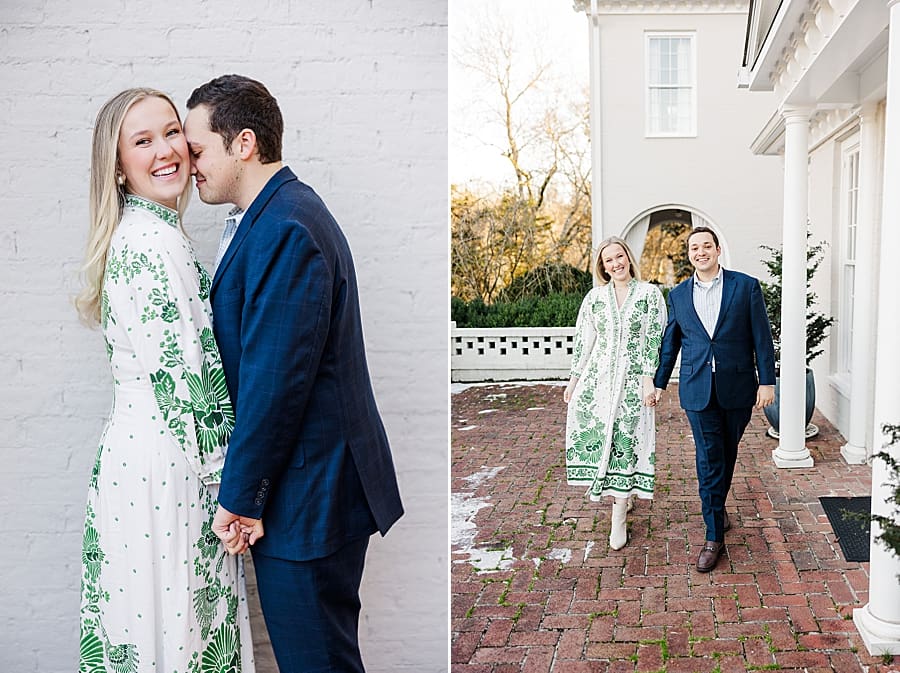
(536,588)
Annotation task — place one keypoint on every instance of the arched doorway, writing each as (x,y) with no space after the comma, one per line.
(657,238)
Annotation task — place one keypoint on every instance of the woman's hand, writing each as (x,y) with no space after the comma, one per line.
(253,530)
(649,391)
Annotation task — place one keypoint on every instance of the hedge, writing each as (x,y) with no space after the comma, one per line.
(555,310)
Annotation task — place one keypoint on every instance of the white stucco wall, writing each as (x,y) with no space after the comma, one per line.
(362,86)
(715,173)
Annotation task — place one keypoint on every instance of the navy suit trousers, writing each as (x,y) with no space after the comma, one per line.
(717,433)
(312,609)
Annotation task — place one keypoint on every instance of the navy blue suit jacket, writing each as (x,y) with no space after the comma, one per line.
(309,454)
(741,344)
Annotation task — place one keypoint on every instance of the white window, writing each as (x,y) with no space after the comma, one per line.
(671,76)
(847,252)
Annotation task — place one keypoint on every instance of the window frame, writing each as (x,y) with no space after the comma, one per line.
(847,258)
(649,36)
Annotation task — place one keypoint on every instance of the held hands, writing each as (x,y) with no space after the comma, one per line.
(236,532)
(650,394)
(243,535)
(765,395)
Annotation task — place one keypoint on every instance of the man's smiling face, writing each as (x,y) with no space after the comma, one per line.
(216,169)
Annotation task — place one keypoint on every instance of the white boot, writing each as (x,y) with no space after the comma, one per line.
(618,535)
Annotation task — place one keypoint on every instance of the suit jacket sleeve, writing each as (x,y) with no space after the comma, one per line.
(762,337)
(671,344)
(285,323)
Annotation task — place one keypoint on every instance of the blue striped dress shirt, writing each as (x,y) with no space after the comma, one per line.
(708,302)
(232,222)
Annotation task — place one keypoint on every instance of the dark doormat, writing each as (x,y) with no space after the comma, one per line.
(852,532)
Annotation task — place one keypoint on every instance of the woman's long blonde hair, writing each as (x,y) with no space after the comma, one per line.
(107,196)
(602,277)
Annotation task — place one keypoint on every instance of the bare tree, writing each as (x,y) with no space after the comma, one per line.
(570,204)
(492,241)
(519,87)
(545,139)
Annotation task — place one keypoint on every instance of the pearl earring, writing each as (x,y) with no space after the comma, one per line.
(120,179)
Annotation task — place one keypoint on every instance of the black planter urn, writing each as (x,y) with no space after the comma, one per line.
(772,411)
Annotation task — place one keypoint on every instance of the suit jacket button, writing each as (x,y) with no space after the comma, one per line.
(258,502)
(265,482)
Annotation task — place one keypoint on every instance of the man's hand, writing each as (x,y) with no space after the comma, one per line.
(236,532)
(765,395)
(659,394)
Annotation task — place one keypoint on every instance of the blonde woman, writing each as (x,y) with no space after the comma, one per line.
(159,590)
(610,431)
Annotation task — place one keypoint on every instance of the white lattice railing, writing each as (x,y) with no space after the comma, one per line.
(510,353)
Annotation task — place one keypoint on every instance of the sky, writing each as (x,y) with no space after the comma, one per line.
(550,29)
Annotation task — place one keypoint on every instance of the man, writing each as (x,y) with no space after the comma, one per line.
(717,319)
(308,454)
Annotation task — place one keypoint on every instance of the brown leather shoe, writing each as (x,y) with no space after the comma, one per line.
(727,521)
(709,556)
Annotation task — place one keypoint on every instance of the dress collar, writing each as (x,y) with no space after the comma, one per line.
(164,213)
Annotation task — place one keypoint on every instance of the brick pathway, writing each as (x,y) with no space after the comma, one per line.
(552,597)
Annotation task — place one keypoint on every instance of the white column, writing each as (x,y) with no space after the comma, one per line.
(879,621)
(792,451)
(861,360)
(596,118)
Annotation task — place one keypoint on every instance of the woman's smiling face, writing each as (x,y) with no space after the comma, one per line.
(153,154)
(615,262)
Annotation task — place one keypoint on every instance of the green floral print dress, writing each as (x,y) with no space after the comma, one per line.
(610,433)
(158,590)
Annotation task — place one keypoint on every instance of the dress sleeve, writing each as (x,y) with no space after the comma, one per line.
(655,323)
(585,336)
(155,292)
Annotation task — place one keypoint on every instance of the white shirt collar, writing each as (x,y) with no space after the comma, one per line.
(236,214)
(709,283)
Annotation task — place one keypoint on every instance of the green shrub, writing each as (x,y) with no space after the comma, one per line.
(545,280)
(890,525)
(817,324)
(556,310)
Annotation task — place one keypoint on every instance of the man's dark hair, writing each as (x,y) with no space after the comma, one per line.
(695,230)
(236,103)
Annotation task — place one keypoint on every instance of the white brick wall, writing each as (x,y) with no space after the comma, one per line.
(362,84)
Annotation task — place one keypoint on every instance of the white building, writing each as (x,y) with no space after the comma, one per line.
(834,69)
(671,131)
